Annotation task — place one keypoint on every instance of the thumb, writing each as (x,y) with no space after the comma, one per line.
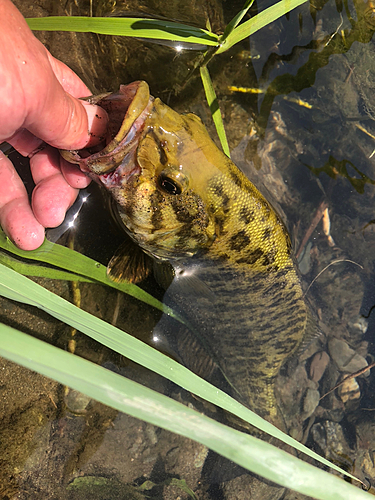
(66,122)
(37,90)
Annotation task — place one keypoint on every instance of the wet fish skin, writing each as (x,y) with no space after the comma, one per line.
(183,201)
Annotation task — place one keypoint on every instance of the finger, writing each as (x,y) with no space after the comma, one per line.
(49,162)
(25,142)
(34,98)
(65,122)
(16,216)
(70,82)
(73,175)
(45,164)
(51,199)
(52,195)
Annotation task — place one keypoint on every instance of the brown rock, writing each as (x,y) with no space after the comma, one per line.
(318,365)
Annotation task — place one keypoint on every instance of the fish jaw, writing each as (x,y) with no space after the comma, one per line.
(113,161)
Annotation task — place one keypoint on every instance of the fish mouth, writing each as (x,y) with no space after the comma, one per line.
(113,161)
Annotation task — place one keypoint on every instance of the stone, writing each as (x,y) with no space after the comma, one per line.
(346,359)
(318,366)
(349,390)
(310,402)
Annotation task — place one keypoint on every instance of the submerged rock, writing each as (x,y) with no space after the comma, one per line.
(318,366)
(310,402)
(345,357)
(349,390)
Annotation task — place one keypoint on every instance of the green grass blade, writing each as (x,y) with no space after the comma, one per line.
(21,289)
(76,263)
(126,26)
(257,22)
(125,395)
(214,108)
(40,271)
(237,19)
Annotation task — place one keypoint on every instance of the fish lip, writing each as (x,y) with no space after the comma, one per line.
(114,159)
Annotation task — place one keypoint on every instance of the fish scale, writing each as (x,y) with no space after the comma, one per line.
(191,210)
(248,335)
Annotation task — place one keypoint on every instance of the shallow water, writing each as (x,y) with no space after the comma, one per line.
(307,139)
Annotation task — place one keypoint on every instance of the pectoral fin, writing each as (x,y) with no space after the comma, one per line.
(129,264)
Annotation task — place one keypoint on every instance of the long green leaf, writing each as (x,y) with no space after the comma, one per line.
(39,271)
(138,401)
(257,22)
(214,108)
(126,26)
(76,263)
(236,20)
(21,289)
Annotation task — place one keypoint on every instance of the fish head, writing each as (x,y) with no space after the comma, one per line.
(157,164)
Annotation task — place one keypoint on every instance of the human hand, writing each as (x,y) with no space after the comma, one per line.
(38,103)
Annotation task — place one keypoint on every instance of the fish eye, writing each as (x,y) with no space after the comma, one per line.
(169,185)
(172,180)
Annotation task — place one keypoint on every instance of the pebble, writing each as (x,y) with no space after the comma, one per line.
(330,437)
(310,402)
(349,390)
(318,366)
(346,359)
(304,261)
(76,402)
(359,323)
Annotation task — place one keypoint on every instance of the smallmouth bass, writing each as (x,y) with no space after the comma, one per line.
(185,203)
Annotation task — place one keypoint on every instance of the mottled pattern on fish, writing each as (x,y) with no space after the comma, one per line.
(183,201)
(252,315)
(250,323)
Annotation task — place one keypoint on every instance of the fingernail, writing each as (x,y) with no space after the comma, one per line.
(97,122)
